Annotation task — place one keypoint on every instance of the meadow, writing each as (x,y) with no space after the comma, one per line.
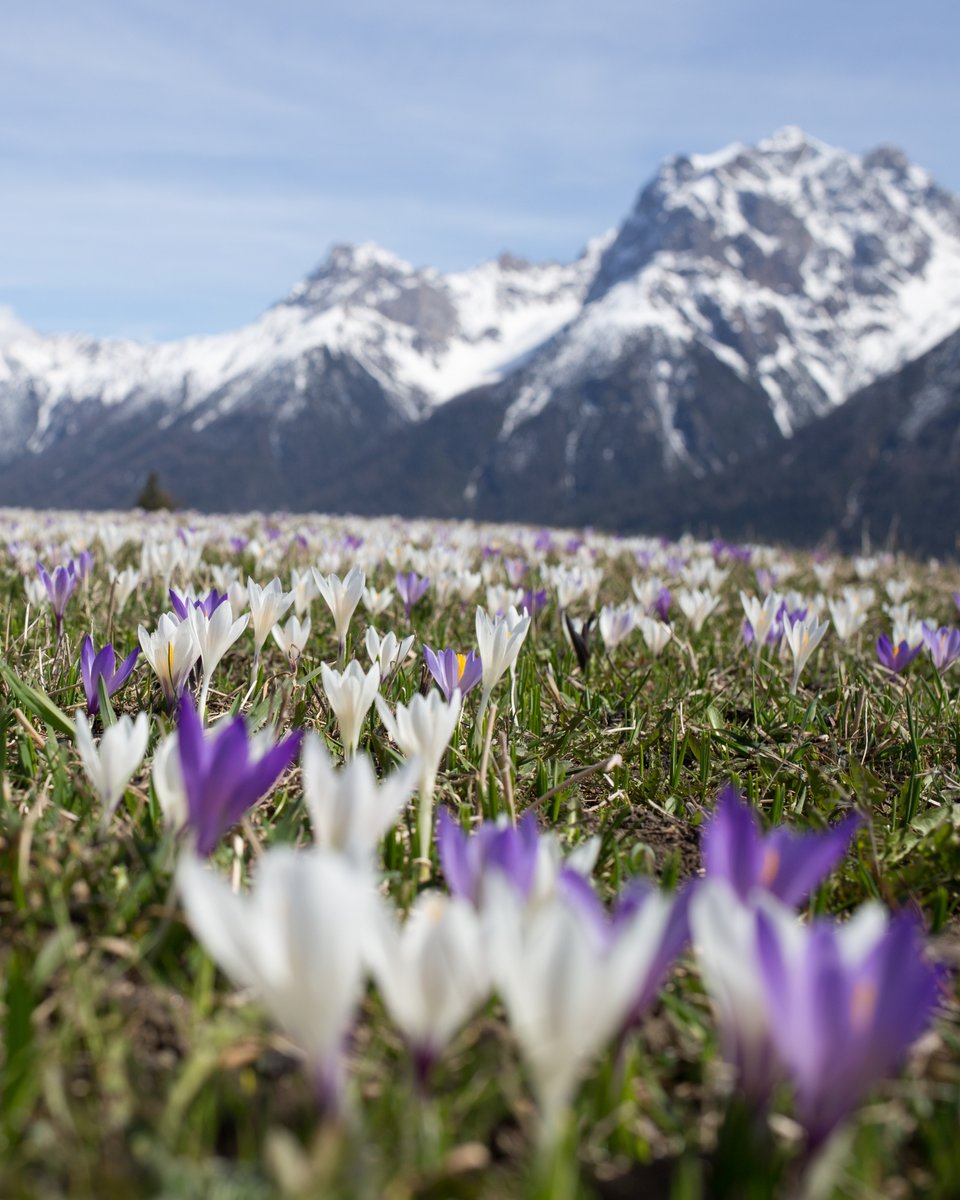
(601,867)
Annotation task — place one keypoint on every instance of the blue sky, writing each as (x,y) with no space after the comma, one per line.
(174,166)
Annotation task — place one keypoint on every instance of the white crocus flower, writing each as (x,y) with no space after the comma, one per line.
(761,615)
(377,602)
(432,973)
(803,637)
(172,652)
(655,633)
(238,595)
(36,591)
(111,765)
(552,861)
(697,605)
(647,591)
(299,940)
(422,729)
(351,694)
(724,937)
(349,809)
(848,616)
(567,988)
(498,645)
(303,587)
(124,584)
(292,637)
(387,651)
(168,783)
(617,622)
(341,596)
(898,589)
(267,606)
(214,636)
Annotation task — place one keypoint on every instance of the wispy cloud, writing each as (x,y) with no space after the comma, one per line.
(166,150)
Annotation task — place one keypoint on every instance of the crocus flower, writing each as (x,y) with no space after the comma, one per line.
(803,635)
(656,634)
(566,990)
(616,623)
(267,606)
(453,671)
(784,863)
(499,641)
(390,653)
(674,935)
(215,631)
(422,729)
(534,600)
(432,973)
(124,584)
(848,616)
(468,859)
(411,589)
(111,765)
(96,665)
(292,637)
(341,596)
(896,658)
(723,929)
(350,693)
(350,809)
(761,616)
(844,1003)
(207,604)
(697,604)
(943,645)
(377,602)
(172,652)
(222,777)
(58,589)
(298,940)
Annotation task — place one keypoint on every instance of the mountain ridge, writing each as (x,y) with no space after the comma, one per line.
(746,295)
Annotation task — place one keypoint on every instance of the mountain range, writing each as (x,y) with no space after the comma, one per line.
(769,345)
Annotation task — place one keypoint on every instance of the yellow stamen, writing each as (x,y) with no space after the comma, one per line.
(461,664)
(170,660)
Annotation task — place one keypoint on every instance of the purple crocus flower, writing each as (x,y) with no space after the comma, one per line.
(411,589)
(221,778)
(95,666)
(533,601)
(466,859)
(59,588)
(766,580)
(83,565)
(207,604)
(896,658)
(784,863)
(844,1004)
(943,644)
(454,671)
(661,606)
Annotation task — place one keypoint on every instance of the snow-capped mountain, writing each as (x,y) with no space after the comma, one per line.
(747,294)
(422,336)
